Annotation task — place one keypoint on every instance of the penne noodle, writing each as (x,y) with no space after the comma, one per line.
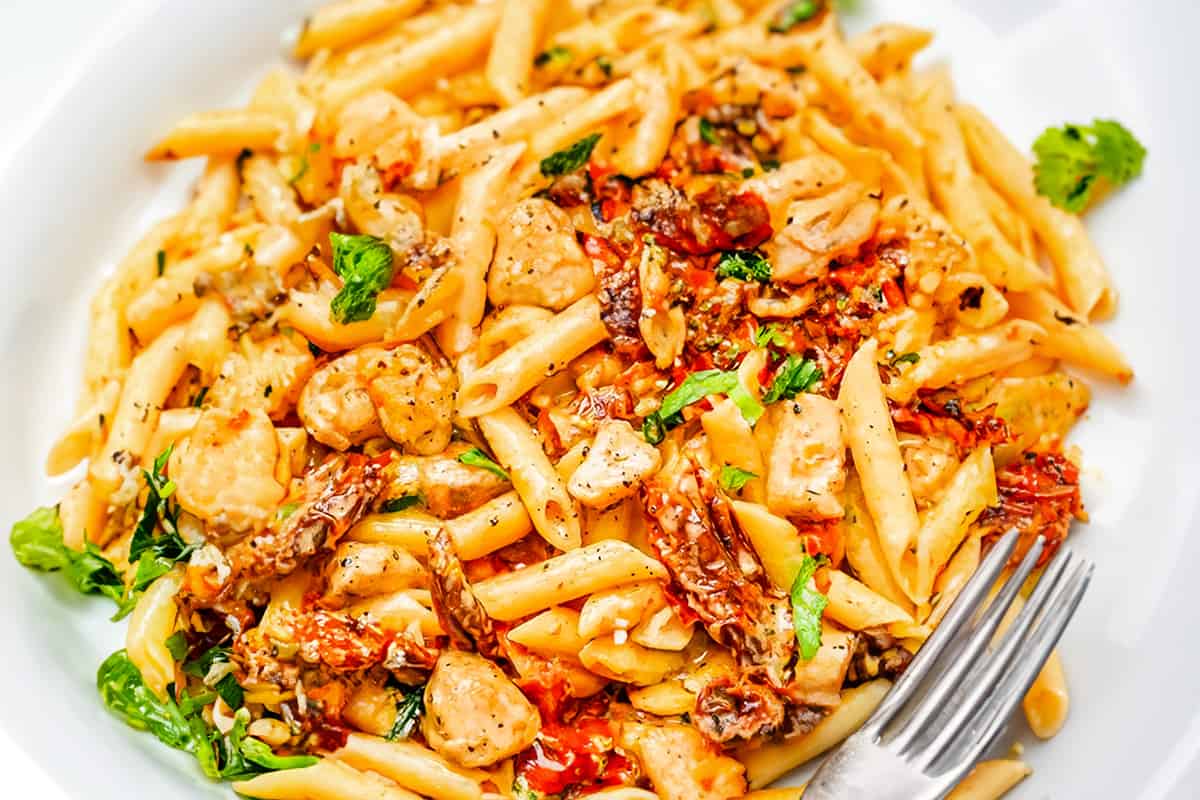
(562,578)
(1069,337)
(990,780)
(410,765)
(219,133)
(1047,701)
(328,779)
(338,25)
(543,492)
(970,491)
(514,46)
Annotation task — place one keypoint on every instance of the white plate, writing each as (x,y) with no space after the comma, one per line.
(76,195)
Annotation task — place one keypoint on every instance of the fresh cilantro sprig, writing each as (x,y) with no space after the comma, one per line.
(696,387)
(807,607)
(569,159)
(1074,159)
(365,265)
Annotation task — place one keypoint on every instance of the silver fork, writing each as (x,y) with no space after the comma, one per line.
(956,696)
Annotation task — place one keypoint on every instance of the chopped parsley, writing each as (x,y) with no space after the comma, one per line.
(1074,159)
(906,358)
(477,458)
(771,334)
(365,264)
(570,159)
(797,375)
(807,607)
(302,170)
(160,259)
(744,265)
(733,479)
(707,132)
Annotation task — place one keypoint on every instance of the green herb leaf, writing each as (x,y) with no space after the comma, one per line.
(572,158)
(200,667)
(365,264)
(707,132)
(161,259)
(733,479)
(795,376)
(409,709)
(745,265)
(522,791)
(771,334)
(477,458)
(605,64)
(906,358)
(1072,159)
(177,645)
(126,695)
(696,387)
(302,170)
(793,14)
(807,607)
(230,691)
(262,755)
(556,56)
(37,543)
(394,504)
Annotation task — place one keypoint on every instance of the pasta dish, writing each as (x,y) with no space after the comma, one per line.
(597,398)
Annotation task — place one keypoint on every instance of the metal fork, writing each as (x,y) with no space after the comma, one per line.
(956,696)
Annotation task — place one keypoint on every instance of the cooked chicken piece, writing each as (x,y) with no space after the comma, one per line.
(616,464)
(538,260)
(818,681)
(376,390)
(928,462)
(224,471)
(267,375)
(380,126)
(807,464)
(474,715)
(681,765)
(388,216)
(448,486)
(361,570)
(820,230)
(801,177)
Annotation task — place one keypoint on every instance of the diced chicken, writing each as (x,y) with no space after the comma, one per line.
(269,375)
(538,260)
(807,463)
(615,466)
(681,764)
(818,681)
(381,127)
(474,715)
(801,177)
(928,463)
(449,487)
(224,471)
(362,569)
(822,229)
(372,391)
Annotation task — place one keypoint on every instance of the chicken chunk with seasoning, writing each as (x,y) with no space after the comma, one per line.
(615,466)
(224,471)
(807,463)
(681,765)
(474,715)
(373,391)
(538,260)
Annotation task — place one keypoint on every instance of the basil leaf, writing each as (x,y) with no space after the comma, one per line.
(477,458)
(365,265)
(734,478)
(807,607)
(230,691)
(126,695)
(795,376)
(177,645)
(569,159)
(394,504)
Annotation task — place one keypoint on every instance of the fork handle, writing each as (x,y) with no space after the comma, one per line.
(862,769)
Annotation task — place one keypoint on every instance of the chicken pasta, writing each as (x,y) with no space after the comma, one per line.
(558,399)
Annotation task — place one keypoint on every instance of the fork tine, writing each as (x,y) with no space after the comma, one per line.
(960,613)
(944,686)
(981,683)
(1060,608)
